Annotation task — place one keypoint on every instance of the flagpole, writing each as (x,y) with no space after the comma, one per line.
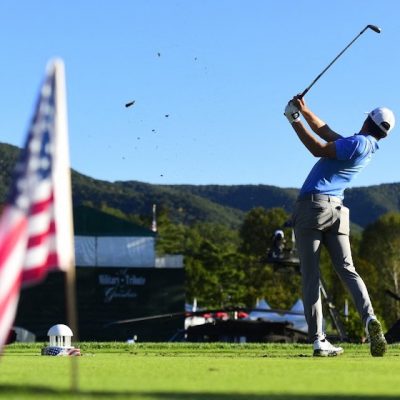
(70,292)
(64,216)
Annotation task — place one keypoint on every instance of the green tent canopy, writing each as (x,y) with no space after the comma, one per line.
(91,222)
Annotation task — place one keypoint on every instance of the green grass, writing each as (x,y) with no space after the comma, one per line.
(185,371)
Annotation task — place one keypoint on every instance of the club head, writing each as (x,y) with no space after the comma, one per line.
(374,28)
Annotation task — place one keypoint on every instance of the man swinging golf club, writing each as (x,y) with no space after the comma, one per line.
(320,218)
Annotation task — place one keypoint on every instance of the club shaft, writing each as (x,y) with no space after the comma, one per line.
(330,64)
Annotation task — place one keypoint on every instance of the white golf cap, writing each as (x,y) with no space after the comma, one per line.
(384,118)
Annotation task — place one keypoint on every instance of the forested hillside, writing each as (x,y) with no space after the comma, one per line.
(224,204)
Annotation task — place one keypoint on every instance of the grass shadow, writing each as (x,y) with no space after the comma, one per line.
(44,392)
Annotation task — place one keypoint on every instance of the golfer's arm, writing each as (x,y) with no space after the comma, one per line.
(314,146)
(320,127)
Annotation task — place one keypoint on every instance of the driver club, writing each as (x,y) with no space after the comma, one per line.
(372,27)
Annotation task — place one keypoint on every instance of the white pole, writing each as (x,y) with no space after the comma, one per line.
(63,207)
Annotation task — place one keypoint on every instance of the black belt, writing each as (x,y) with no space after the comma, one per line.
(320,197)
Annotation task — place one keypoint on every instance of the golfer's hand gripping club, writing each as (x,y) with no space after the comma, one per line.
(291,112)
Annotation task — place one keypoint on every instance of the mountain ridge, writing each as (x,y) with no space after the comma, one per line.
(185,203)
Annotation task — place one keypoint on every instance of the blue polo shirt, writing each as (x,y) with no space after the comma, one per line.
(333,176)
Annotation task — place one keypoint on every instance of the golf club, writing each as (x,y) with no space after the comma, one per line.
(372,27)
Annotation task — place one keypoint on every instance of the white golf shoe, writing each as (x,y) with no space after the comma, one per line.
(322,348)
(376,337)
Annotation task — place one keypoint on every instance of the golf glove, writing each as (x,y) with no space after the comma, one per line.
(292,113)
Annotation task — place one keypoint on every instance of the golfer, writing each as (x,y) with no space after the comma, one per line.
(321,219)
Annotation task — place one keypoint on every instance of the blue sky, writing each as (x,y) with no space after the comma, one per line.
(221,70)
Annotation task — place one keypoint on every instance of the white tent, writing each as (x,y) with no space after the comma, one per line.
(259,314)
(263,305)
(298,306)
(299,321)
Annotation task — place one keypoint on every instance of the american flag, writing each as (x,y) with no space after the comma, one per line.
(31,230)
(60,351)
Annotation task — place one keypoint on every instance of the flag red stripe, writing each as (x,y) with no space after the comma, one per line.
(37,240)
(52,260)
(11,239)
(39,272)
(41,206)
(33,275)
(13,291)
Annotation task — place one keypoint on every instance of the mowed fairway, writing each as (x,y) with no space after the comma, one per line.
(201,372)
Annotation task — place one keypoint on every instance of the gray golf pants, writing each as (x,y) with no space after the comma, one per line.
(322,219)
